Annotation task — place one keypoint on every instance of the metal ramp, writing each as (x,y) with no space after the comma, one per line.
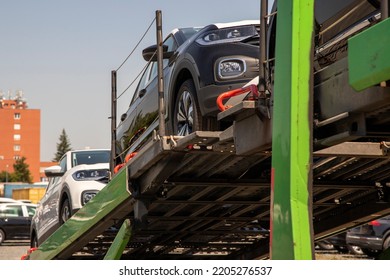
(193,197)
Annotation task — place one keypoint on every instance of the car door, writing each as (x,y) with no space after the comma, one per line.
(14,221)
(130,126)
(148,108)
(48,217)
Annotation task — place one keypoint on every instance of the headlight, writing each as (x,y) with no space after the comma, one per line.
(84,175)
(229,34)
(87,196)
(231,68)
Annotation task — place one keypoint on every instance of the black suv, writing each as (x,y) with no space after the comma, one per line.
(199,64)
(372,238)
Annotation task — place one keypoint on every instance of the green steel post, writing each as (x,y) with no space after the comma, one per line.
(291,198)
(119,244)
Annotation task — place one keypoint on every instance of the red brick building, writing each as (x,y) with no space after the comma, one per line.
(19,134)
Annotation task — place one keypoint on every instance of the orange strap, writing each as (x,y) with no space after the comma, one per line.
(234,92)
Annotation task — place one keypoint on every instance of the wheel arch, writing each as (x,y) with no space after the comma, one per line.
(5,234)
(386,239)
(65,194)
(33,234)
(185,69)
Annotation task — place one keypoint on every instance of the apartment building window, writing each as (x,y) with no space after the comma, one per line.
(16,137)
(17,126)
(17,157)
(17,116)
(16,147)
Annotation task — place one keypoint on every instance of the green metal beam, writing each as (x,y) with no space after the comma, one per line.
(371,66)
(95,211)
(119,244)
(291,198)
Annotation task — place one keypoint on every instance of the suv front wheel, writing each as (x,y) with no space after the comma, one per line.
(65,212)
(186,115)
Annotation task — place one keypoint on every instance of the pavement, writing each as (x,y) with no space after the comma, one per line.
(13,249)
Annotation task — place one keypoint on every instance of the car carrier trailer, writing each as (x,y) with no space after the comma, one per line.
(264,187)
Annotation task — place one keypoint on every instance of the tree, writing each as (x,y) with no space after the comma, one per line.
(63,146)
(21,171)
(5,176)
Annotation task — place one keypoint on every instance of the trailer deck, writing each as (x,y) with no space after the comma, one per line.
(194,197)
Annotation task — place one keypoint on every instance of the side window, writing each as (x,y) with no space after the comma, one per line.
(63,164)
(13,211)
(172,46)
(51,183)
(30,211)
(142,82)
(54,180)
(153,72)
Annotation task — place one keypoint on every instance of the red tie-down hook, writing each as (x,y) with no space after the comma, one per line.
(251,88)
(127,158)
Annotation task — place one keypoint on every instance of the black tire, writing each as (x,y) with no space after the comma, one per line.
(186,114)
(2,236)
(386,243)
(34,241)
(341,249)
(66,211)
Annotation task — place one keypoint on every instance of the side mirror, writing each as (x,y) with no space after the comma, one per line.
(150,53)
(54,171)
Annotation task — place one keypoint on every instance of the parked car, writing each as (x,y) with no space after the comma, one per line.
(11,200)
(199,64)
(7,200)
(15,220)
(372,238)
(339,242)
(80,175)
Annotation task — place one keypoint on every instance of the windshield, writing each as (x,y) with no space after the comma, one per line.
(189,31)
(90,157)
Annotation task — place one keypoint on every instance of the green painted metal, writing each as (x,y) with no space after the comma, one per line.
(385,255)
(109,198)
(371,66)
(119,244)
(291,198)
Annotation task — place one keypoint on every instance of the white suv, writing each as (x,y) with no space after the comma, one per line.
(75,181)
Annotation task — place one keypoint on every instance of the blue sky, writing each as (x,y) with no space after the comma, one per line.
(61,54)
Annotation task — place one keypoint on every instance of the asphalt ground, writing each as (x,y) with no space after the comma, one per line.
(13,249)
